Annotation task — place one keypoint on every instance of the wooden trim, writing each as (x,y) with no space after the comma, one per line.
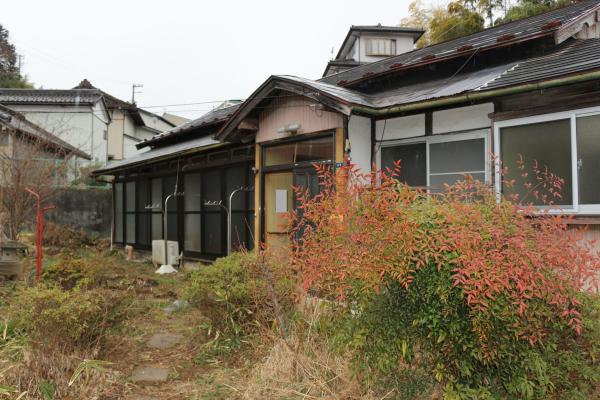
(258,222)
(339,145)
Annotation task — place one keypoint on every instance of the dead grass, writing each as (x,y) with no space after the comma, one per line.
(303,366)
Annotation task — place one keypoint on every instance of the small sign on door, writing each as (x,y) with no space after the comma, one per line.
(281,201)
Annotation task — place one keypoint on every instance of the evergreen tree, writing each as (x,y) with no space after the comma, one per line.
(10,76)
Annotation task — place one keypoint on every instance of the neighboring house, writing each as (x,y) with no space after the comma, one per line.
(21,138)
(129,124)
(89,119)
(529,87)
(176,120)
(367,44)
(79,117)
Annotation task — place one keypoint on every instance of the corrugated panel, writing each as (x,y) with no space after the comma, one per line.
(520,29)
(211,117)
(571,57)
(198,144)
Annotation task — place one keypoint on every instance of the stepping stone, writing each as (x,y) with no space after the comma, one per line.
(150,374)
(164,340)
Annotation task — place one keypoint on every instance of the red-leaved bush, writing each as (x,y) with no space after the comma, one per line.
(513,262)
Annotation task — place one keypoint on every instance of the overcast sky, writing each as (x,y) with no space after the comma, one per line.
(183,51)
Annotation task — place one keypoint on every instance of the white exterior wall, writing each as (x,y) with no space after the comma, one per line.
(404,44)
(463,118)
(359,133)
(81,126)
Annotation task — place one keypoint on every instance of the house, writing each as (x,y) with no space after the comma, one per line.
(79,117)
(529,87)
(369,43)
(89,119)
(129,124)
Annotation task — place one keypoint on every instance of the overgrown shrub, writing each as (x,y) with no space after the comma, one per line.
(239,292)
(489,295)
(71,272)
(50,316)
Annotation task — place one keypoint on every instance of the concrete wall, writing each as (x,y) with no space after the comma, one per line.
(89,209)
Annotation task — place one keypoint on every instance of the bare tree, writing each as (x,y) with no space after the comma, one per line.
(27,162)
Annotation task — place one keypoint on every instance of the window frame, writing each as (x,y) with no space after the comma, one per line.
(481,133)
(571,115)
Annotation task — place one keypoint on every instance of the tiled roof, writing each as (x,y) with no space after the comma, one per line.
(50,96)
(17,121)
(523,29)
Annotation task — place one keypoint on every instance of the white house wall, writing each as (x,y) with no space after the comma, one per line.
(462,118)
(359,134)
(77,125)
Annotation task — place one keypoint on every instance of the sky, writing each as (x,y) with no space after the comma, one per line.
(183,51)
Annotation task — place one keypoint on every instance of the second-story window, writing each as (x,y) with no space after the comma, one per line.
(381,47)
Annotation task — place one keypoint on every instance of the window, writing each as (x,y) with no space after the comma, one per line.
(130,212)
(319,149)
(566,143)
(192,203)
(157,206)
(434,161)
(413,162)
(143,213)
(548,144)
(381,47)
(118,213)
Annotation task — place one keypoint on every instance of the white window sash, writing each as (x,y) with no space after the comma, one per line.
(444,138)
(572,115)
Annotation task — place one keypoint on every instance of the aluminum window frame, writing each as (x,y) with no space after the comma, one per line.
(480,133)
(571,115)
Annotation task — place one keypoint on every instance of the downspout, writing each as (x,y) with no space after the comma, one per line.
(478,96)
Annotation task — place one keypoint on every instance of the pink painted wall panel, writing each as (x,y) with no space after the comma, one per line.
(295,110)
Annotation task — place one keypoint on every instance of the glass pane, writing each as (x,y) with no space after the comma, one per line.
(119,212)
(157,223)
(130,227)
(211,230)
(143,198)
(302,151)
(169,188)
(457,156)
(143,229)
(413,165)
(192,232)
(239,231)
(548,144)
(250,242)
(236,178)
(211,187)
(278,155)
(172,233)
(130,196)
(436,182)
(315,150)
(251,183)
(192,200)
(157,193)
(588,151)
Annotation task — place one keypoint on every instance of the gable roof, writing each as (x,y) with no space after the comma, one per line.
(548,24)
(17,121)
(571,61)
